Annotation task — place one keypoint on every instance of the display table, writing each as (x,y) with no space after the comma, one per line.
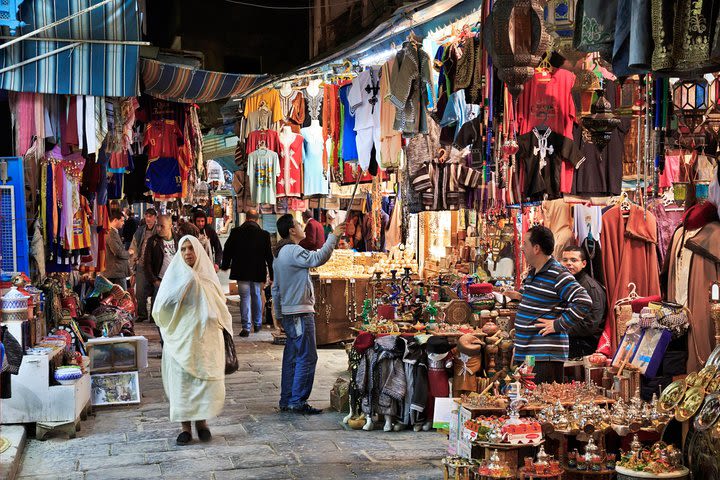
(34,400)
(335,299)
(627,474)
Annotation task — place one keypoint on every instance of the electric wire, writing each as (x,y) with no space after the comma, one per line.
(346,3)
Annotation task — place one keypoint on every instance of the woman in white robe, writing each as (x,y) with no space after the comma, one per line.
(191,313)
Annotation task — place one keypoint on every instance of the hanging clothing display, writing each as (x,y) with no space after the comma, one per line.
(313,105)
(263,170)
(549,103)
(559,218)
(269,98)
(364,102)
(390,139)
(541,155)
(443,184)
(315,174)
(293,107)
(347,140)
(629,243)
(290,180)
(410,84)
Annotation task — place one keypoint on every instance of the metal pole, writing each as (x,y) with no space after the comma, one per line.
(104,42)
(40,57)
(53,24)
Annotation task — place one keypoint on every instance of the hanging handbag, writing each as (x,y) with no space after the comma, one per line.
(231,360)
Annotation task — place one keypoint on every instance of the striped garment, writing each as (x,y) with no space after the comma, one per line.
(550,293)
(442,185)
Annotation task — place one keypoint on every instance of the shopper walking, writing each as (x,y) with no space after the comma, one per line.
(248,255)
(585,334)
(191,313)
(200,221)
(159,252)
(551,302)
(314,232)
(117,259)
(294,303)
(143,287)
(129,228)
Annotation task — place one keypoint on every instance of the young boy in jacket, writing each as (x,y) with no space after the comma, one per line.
(294,302)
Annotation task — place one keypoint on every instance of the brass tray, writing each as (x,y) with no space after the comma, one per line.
(672,395)
(705,376)
(690,404)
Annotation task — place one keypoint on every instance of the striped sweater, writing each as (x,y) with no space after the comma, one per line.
(550,293)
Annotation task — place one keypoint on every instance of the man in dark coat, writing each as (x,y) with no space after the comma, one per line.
(584,335)
(248,255)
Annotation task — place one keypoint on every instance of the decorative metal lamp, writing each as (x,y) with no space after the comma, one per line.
(690,99)
(586,83)
(517,38)
(601,122)
(715,309)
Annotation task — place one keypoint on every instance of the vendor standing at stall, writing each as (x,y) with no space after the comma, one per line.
(585,334)
(551,302)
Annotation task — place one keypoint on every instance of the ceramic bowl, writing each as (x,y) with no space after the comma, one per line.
(68,375)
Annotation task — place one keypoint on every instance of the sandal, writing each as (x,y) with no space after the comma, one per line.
(184,438)
(204,435)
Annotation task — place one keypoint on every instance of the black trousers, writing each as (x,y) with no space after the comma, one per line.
(548,372)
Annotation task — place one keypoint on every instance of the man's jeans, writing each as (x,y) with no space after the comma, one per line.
(143,291)
(299,359)
(250,304)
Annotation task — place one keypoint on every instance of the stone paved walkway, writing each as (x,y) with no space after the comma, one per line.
(251,439)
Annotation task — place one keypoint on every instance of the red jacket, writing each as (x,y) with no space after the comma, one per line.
(314,235)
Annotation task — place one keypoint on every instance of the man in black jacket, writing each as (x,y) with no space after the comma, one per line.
(584,335)
(200,221)
(159,252)
(248,255)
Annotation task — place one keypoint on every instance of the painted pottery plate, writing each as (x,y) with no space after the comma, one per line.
(690,404)
(672,395)
(706,376)
(709,413)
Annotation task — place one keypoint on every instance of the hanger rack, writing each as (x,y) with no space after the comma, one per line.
(631,296)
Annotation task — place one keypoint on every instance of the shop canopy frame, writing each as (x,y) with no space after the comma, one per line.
(421,18)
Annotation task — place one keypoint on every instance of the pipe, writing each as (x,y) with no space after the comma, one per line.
(54,24)
(103,42)
(40,57)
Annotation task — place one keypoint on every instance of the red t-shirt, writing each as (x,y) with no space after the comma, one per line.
(549,102)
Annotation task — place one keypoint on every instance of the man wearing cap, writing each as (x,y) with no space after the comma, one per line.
(143,287)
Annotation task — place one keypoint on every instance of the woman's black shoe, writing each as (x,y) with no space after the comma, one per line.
(184,438)
(204,435)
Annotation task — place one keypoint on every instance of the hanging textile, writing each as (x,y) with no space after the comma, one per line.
(87,69)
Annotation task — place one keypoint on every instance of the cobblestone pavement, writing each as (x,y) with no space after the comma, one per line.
(251,439)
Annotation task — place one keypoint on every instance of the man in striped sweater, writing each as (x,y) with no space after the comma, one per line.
(551,301)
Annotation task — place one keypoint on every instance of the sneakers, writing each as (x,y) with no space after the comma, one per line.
(257,328)
(244,333)
(284,408)
(306,410)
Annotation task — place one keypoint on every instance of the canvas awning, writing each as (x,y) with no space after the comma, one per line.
(189,85)
(59,60)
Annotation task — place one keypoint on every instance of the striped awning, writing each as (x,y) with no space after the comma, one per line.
(83,69)
(186,84)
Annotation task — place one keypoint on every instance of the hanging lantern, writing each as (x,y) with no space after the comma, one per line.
(601,122)
(517,39)
(690,99)
(586,83)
